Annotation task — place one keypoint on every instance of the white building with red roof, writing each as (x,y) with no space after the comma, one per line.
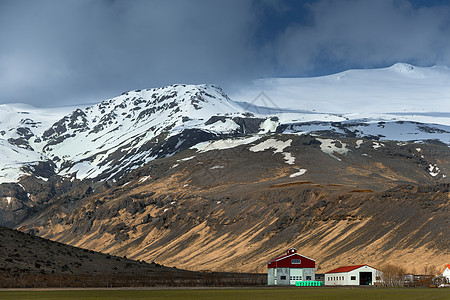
(446,272)
(289,268)
(353,275)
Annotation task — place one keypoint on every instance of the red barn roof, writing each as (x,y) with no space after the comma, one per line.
(346,269)
(289,252)
(286,261)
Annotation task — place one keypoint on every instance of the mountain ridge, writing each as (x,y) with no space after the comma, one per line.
(93,140)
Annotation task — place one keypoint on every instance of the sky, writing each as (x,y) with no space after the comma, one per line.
(65,52)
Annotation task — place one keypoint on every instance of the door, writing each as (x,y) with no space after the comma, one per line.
(365,278)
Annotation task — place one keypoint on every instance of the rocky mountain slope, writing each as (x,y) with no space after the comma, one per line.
(185,176)
(339,201)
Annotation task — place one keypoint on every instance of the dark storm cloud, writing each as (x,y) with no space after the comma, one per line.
(71,51)
(367,33)
(86,49)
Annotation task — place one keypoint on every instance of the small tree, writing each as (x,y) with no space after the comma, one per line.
(393,276)
(429,272)
(438,280)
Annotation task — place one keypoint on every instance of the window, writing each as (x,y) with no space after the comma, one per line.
(308,277)
(296,261)
(353,278)
(282,277)
(291,277)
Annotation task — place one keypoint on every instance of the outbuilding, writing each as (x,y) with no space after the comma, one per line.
(353,275)
(290,268)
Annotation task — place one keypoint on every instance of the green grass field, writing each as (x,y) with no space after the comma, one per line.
(255,293)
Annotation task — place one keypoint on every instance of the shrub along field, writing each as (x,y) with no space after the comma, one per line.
(234,293)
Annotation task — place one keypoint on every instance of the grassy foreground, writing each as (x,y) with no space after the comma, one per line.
(254,293)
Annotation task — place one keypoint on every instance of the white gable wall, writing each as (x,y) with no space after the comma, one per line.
(446,273)
(342,278)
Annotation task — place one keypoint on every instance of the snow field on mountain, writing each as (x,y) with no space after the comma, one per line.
(299,173)
(13,159)
(224,144)
(391,131)
(396,89)
(37,120)
(217,167)
(433,170)
(329,147)
(277,147)
(268,126)
(145,178)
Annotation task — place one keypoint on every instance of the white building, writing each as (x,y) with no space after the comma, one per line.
(290,268)
(353,275)
(446,273)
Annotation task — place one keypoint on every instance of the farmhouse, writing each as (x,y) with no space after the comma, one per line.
(289,268)
(353,275)
(446,273)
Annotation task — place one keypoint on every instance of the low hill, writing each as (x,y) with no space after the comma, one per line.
(30,261)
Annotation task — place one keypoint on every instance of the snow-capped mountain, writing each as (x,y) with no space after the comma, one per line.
(120,134)
(398,90)
(134,128)
(125,131)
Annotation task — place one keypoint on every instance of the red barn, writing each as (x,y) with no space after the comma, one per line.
(289,268)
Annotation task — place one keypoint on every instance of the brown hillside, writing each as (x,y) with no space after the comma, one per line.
(234,209)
